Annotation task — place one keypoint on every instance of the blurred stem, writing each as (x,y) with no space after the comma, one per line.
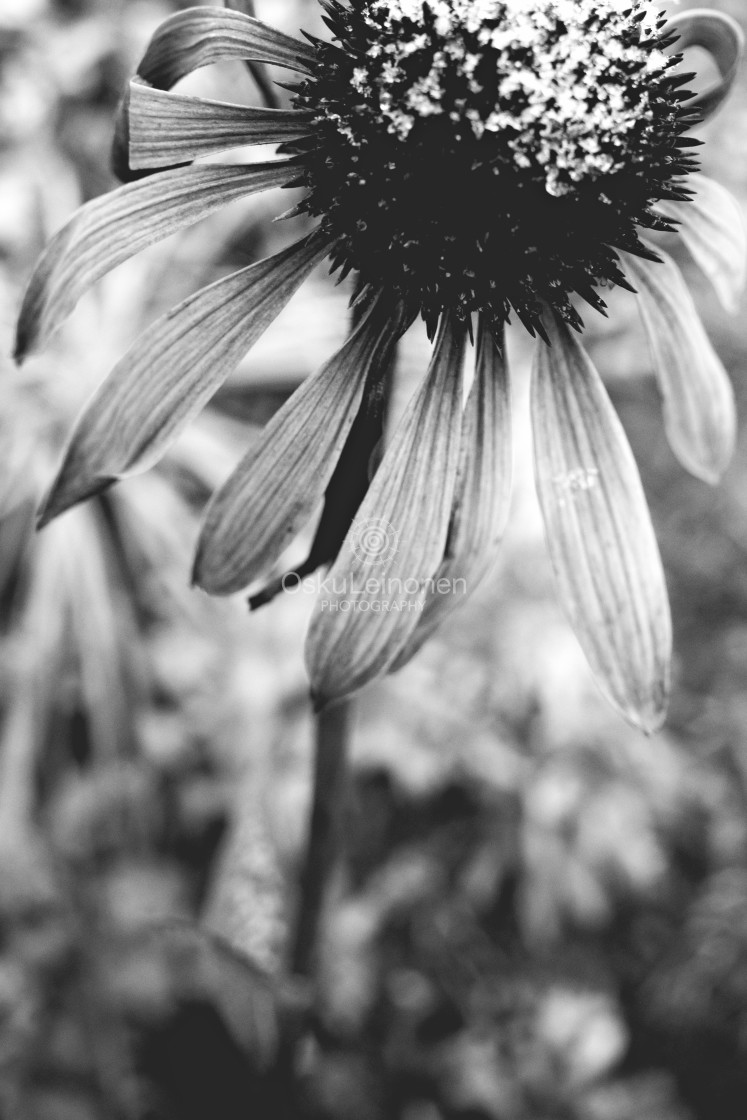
(264,84)
(17,761)
(333,729)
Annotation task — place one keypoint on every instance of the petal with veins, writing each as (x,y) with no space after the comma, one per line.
(172,371)
(281,480)
(199,36)
(167,129)
(713,230)
(599,533)
(409,505)
(110,229)
(698,400)
(483,493)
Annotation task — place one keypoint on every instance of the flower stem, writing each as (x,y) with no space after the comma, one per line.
(325,833)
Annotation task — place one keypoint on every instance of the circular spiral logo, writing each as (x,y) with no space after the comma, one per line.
(374,541)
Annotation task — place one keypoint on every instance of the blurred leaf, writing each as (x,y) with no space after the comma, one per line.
(203,966)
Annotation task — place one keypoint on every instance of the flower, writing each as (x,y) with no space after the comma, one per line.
(467,161)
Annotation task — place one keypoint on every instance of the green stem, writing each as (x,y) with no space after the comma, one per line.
(325,833)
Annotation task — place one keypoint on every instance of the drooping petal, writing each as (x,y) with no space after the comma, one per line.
(482,497)
(200,36)
(599,531)
(281,480)
(698,399)
(379,581)
(109,230)
(722,37)
(713,230)
(167,129)
(172,371)
(356,466)
(358,460)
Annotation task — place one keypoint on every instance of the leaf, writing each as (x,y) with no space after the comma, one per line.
(204,972)
(698,400)
(109,230)
(483,493)
(722,37)
(713,230)
(168,128)
(282,479)
(103,635)
(172,371)
(378,584)
(198,37)
(599,531)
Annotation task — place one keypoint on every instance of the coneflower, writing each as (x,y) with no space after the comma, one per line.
(469,162)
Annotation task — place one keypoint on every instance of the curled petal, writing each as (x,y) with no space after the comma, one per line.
(380,579)
(698,399)
(722,37)
(109,230)
(599,531)
(713,230)
(167,129)
(257,69)
(281,480)
(172,371)
(199,36)
(483,493)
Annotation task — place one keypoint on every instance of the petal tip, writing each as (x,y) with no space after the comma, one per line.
(645,707)
(325,696)
(649,721)
(27,338)
(199,576)
(319,702)
(68,491)
(709,468)
(711,476)
(329,677)
(44,515)
(208,572)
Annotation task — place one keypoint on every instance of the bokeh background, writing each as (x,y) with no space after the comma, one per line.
(542,915)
